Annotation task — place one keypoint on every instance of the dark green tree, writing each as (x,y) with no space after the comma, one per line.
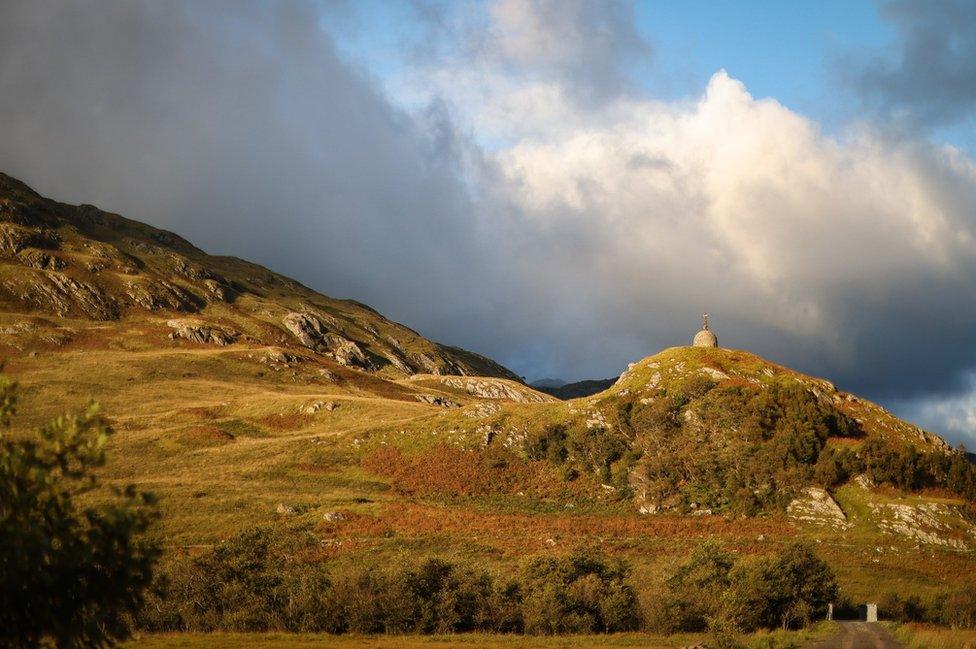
(788,590)
(70,576)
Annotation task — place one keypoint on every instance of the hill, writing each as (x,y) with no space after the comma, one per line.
(82,263)
(244,400)
(575,389)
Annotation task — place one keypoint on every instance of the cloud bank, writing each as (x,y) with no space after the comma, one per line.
(928,76)
(523,197)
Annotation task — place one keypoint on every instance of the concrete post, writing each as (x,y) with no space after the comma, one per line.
(871,613)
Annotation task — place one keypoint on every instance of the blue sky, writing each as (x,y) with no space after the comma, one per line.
(779,49)
(790,51)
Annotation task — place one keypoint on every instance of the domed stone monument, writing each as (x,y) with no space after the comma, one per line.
(705,337)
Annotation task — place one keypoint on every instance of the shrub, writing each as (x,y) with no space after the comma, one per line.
(548,444)
(71,576)
(697,586)
(901,608)
(581,593)
(958,608)
(711,591)
(736,448)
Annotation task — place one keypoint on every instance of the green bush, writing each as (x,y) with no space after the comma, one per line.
(736,448)
(580,593)
(279,580)
(712,591)
(697,587)
(71,576)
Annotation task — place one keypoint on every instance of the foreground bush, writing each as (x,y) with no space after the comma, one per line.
(269,581)
(713,591)
(577,594)
(69,576)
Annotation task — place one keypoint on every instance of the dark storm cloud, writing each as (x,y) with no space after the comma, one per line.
(928,77)
(237,125)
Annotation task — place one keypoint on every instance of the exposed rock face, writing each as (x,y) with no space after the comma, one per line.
(717,375)
(198,332)
(315,406)
(279,357)
(161,295)
(928,523)
(495,389)
(312,333)
(41,260)
(15,238)
(818,507)
(308,329)
(346,352)
(63,295)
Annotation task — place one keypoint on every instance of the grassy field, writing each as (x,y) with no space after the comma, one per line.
(918,636)
(774,640)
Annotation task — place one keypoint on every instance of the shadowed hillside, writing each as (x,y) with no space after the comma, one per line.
(82,263)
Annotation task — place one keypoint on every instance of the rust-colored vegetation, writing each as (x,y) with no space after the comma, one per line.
(449,470)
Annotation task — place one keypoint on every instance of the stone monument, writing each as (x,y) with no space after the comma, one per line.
(705,337)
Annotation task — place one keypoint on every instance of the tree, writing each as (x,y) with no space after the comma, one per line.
(788,590)
(580,593)
(69,575)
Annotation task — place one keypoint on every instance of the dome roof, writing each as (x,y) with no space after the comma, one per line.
(705,337)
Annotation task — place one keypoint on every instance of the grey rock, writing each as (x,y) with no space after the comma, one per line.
(436,400)
(198,332)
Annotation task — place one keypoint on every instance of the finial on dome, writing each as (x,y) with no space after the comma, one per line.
(705,337)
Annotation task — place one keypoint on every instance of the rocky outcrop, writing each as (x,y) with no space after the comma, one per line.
(311,332)
(436,400)
(923,523)
(315,406)
(308,329)
(14,238)
(161,295)
(346,352)
(197,332)
(818,507)
(486,388)
(41,259)
(57,293)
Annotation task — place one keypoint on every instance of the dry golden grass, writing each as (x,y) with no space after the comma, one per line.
(919,636)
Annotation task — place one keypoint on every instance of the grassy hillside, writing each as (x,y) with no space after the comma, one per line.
(243,399)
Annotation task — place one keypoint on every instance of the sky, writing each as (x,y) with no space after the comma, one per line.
(562,185)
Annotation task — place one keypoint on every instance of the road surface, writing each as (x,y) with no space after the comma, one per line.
(858,635)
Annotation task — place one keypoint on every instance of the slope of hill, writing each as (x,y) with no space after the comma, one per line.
(80,262)
(717,430)
(244,399)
